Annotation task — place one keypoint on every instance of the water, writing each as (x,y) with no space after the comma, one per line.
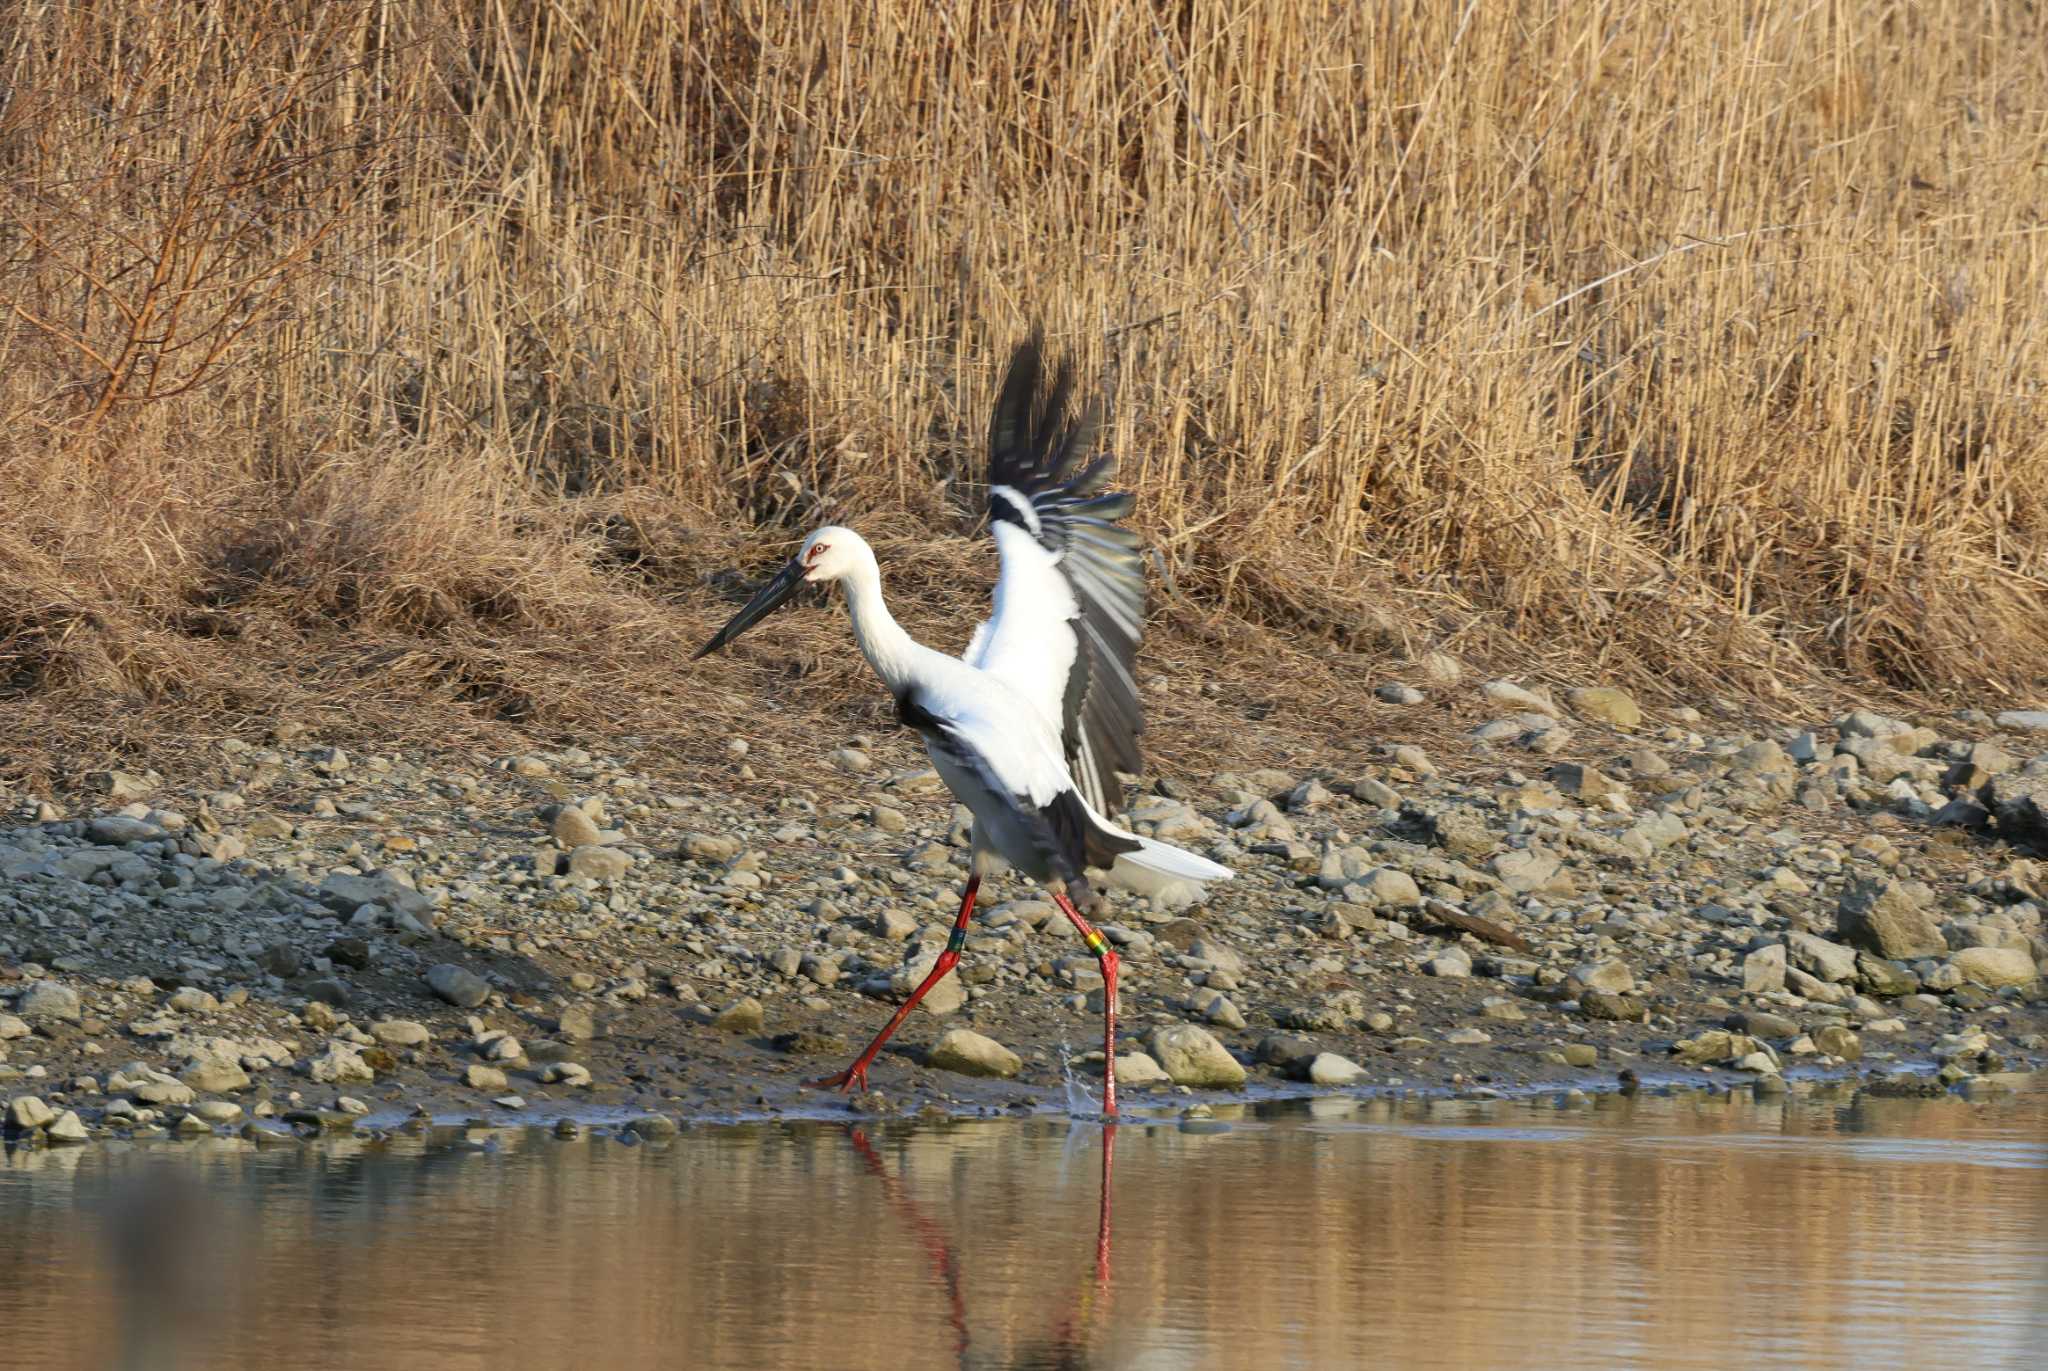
(1647,1232)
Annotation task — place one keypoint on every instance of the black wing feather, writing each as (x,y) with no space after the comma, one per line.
(1036,446)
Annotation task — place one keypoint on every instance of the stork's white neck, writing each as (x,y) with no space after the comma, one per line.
(892,652)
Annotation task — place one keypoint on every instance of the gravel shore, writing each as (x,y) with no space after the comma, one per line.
(290,937)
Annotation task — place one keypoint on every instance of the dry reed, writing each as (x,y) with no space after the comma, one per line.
(455,351)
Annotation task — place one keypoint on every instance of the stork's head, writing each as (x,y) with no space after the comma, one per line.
(831,554)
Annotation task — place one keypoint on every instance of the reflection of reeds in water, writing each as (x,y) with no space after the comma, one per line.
(1690,1233)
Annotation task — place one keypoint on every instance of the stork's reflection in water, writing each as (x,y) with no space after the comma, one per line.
(1070,1330)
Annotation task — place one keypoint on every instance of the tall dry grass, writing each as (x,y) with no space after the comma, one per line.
(449,347)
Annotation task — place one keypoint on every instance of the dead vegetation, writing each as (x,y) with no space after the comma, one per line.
(360,359)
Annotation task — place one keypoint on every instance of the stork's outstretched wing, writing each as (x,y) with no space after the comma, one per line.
(1070,603)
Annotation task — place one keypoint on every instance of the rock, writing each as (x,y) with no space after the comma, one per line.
(1467,1037)
(2024,720)
(2019,800)
(1889,918)
(461,988)
(573,828)
(594,862)
(1217,1009)
(45,1001)
(1138,1068)
(1397,693)
(1190,1056)
(214,1075)
(401,1033)
(281,960)
(1327,1068)
(1462,831)
(1515,697)
(1605,1004)
(1584,782)
(576,1024)
(1763,970)
(1887,979)
(969,1053)
(1581,1054)
(340,1064)
(741,1016)
(1526,870)
(26,1112)
(192,1000)
(1838,1041)
(1610,974)
(385,889)
(1607,705)
(67,1128)
(12,1028)
(1995,967)
(1820,958)
(120,786)
(484,1078)
(118,830)
(894,925)
(1453,961)
(1761,1023)
(713,849)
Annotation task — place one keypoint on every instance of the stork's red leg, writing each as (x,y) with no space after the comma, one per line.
(858,1072)
(1108,960)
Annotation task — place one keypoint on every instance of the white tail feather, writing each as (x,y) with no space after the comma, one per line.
(1156,867)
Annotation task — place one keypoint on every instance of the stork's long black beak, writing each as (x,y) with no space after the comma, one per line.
(766,601)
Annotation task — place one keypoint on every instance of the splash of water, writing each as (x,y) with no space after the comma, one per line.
(1081,1101)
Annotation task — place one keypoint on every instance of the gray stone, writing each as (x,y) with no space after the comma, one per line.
(67,1128)
(1995,967)
(1605,1004)
(27,1112)
(969,1053)
(190,999)
(461,988)
(894,925)
(577,1024)
(12,1028)
(1763,970)
(340,1064)
(44,1001)
(1190,1056)
(1453,961)
(2024,720)
(345,894)
(1138,1068)
(1328,1068)
(214,1076)
(400,1033)
(1889,918)
(596,863)
(1526,870)
(1838,1041)
(118,830)
(484,1078)
(1217,1009)
(1610,974)
(573,828)
(741,1016)
(1607,705)
(1820,958)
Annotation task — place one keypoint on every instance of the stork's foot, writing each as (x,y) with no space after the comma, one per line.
(855,1075)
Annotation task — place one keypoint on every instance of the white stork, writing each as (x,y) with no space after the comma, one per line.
(1030,726)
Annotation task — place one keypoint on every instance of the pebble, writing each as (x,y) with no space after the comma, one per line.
(401,1033)
(741,1016)
(971,1054)
(461,988)
(484,1078)
(1328,1068)
(1190,1056)
(1139,1068)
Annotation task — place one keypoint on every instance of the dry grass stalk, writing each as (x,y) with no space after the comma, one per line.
(450,349)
